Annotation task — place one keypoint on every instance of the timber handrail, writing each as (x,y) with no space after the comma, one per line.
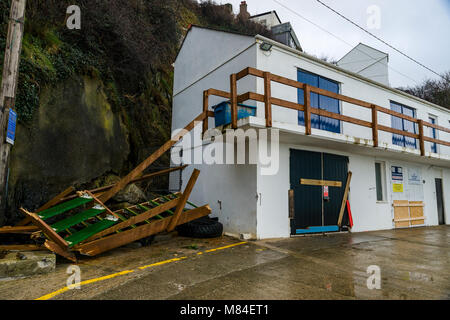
(269,101)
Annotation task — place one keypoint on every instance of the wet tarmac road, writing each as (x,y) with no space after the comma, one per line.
(413,264)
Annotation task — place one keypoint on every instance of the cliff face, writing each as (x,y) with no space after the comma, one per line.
(96,101)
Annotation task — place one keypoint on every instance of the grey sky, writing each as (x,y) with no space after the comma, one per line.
(419,28)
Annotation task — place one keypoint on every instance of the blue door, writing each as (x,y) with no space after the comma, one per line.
(319,101)
(404,125)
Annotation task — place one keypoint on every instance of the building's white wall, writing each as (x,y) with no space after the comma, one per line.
(269,20)
(350,86)
(368,213)
(188,101)
(203,51)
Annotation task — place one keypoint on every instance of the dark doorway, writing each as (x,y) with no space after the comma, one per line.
(310,208)
(440,201)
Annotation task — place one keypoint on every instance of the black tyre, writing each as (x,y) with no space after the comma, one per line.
(147,241)
(204,227)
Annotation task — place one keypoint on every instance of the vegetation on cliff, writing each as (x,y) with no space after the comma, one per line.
(127,47)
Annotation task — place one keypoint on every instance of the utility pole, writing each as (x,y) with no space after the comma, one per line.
(8,90)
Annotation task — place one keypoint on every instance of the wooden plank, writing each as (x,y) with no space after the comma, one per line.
(441,142)
(205,110)
(142,178)
(109,211)
(233,101)
(307,106)
(60,251)
(408,205)
(397,114)
(416,213)
(183,199)
(341,117)
(399,132)
(267,99)
(421,140)
(219,93)
(8,89)
(291,204)
(147,162)
(137,219)
(344,199)
(18,229)
(287,104)
(49,232)
(435,126)
(375,125)
(119,239)
(311,182)
(401,213)
(21,247)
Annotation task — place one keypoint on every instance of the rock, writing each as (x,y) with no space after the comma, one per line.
(131,194)
(25,264)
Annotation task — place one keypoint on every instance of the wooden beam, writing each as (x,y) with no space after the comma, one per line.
(219,93)
(307,105)
(375,125)
(205,110)
(345,198)
(267,99)
(311,182)
(291,204)
(421,140)
(119,239)
(9,85)
(147,162)
(46,229)
(183,199)
(233,100)
(18,229)
(52,246)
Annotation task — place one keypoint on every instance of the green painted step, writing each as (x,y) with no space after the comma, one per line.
(63,207)
(89,232)
(76,219)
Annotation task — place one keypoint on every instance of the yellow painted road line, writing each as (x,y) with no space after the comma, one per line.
(65,289)
(162,262)
(58,292)
(226,247)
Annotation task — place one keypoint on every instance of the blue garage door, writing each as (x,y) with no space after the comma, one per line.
(405,125)
(319,101)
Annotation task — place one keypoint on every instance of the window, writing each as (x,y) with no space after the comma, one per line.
(380,176)
(433,133)
(319,101)
(404,125)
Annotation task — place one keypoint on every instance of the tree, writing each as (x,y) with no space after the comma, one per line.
(435,91)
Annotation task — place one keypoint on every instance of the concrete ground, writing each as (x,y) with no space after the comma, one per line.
(414,264)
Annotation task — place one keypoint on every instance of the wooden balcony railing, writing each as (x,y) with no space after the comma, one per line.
(269,101)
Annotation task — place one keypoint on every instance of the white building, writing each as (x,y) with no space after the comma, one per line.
(246,201)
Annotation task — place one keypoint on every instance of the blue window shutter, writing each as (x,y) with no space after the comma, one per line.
(409,127)
(433,135)
(318,101)
(404,125)
(329,104)
(397,123)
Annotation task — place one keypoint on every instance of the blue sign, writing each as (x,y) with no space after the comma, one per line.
(397,173)
(12,121)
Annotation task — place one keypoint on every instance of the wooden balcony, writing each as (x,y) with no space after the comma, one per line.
(269,101)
